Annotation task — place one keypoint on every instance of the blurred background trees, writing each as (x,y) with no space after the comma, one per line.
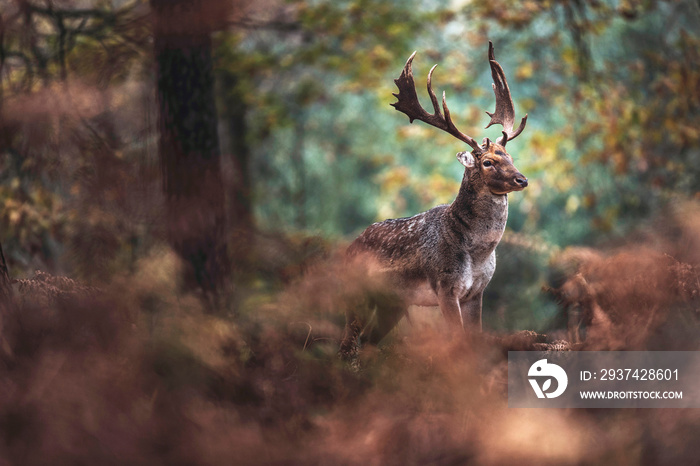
(309,145)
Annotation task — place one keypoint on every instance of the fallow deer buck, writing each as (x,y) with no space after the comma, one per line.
(446,256)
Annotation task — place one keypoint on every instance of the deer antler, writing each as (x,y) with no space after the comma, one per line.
(505,112)
(408,103)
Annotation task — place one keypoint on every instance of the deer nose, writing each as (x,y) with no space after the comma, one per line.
(521,180)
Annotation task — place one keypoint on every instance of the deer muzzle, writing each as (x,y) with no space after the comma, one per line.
(520,181)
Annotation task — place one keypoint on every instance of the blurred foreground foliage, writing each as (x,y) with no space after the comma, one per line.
(137,372)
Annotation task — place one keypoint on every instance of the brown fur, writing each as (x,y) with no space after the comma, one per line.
(445,256)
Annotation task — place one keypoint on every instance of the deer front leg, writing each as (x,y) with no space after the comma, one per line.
(449,305)
(353,327)
(471,312)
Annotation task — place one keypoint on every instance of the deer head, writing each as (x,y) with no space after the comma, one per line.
(490,160)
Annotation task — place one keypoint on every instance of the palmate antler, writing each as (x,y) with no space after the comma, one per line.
(504,114)
(408,103)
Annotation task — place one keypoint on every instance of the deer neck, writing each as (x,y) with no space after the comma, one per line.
(478,214)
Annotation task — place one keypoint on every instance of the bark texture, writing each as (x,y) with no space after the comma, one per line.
(189,145)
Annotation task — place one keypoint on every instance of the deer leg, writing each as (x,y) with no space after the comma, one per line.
(353,327)
(471,313)
(449,306)
(386,319)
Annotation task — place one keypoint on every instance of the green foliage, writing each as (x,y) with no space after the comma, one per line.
(611,136)
(610,89)
(598,135)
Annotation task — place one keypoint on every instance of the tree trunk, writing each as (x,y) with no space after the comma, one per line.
(5,282)
(189,145)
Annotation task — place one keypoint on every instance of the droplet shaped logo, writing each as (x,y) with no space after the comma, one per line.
(542,369)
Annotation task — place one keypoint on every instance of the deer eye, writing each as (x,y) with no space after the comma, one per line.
(487,163)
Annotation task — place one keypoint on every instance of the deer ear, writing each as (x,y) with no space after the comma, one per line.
(466,159)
